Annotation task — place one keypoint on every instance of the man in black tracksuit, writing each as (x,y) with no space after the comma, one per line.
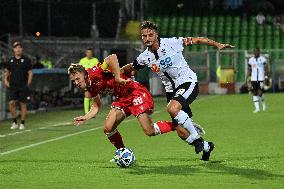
(18,77)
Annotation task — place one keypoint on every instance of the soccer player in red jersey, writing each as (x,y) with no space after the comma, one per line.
(131,98)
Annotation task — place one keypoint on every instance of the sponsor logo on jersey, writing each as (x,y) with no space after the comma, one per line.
(166,63)
(155,68)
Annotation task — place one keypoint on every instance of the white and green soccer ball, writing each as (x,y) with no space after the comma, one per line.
(124,157)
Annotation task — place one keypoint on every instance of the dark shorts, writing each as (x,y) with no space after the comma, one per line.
(18,94)
(185,94)
(257,85)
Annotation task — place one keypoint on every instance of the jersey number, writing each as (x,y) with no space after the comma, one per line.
(179,92)
(138,101)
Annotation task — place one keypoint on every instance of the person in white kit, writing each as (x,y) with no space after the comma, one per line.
(164,56)
(258,72)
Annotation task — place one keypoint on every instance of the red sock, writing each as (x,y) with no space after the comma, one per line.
(165,126)
(116,140)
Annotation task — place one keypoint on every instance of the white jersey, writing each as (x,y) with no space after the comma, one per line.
(168,63)
(257,68)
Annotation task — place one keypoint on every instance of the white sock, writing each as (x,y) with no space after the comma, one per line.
(157,129)
(255,101)
(206,146)
(186,122)
(263,102)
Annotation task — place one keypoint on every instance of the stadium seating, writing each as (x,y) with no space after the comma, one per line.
(243,33)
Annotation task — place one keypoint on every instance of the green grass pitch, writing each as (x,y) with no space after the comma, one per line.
(52,153)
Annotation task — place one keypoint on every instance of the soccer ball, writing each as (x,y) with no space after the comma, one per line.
(124,157)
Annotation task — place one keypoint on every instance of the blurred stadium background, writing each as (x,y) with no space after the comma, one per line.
(56,33)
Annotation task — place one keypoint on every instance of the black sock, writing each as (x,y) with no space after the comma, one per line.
(15,120)
(22,121)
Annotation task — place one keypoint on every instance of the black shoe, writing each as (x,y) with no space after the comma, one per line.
(198,144)
(206,155)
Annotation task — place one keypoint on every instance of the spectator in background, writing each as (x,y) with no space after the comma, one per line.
(276,21)
(37,64)
(18,77)
(260,18)
(88,62)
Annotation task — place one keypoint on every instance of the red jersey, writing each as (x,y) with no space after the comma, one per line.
(131,98)
(103,82)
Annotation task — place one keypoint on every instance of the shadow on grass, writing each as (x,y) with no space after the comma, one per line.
(247,172)
(212,167)
(187,168)
(163,170)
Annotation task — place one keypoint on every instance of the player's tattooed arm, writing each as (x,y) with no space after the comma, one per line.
(205,41)
(113,64)
(91,114)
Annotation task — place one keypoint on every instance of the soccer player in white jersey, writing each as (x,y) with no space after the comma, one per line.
(164,56)
(258,72)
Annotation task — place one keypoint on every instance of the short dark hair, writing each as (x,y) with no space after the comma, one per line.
(74,68)
(146,24)
(90,49)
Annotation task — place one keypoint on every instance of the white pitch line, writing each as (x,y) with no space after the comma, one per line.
(15,133)
(47,141)
(25,131)
(69,123)
(19,132)
(58,138)
(55,125)
(66,136)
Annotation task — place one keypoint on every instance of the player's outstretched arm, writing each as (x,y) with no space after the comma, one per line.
(206,41)
(91,114)
(113,65)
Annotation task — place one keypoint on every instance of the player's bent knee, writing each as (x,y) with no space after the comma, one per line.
(172,110)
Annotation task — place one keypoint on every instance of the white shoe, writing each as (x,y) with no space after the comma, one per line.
(22,126)
(255,111)
(14,126)
(199,129)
